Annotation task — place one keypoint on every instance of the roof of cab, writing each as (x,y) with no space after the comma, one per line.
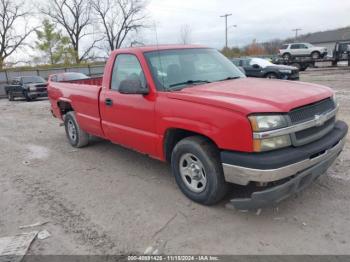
(151,48)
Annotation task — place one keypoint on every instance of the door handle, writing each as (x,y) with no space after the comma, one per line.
(109,102)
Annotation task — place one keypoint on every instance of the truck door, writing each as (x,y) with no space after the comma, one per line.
(251,70)
(304,50)
(128,119)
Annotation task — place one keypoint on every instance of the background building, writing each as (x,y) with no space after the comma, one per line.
(327,38)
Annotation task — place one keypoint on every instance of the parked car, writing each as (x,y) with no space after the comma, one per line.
(258,67)
(340,53)
(69,76)
(288,51)
(215,127)
(29,87)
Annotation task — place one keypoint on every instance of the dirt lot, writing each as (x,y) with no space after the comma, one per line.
(107,199)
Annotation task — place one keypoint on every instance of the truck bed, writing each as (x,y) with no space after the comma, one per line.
(83,95)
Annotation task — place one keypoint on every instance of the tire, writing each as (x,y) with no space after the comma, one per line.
(271,76)
(76,136)
(209,187)
(315,55)
(10,96)
(287,56)
(27,97)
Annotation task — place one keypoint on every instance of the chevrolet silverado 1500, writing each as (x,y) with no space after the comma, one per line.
(192,107)
(29,87)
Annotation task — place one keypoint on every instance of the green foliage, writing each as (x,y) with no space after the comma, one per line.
(55,47)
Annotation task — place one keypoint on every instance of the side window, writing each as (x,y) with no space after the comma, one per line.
(302,46)
(246,63)
(296,46)
(126,67)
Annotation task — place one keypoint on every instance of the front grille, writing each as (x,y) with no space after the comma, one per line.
(307,113)
(304,134)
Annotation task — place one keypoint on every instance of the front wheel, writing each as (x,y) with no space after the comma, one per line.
(76,136)
(198,171)
(27,97)
(271,76)
(316,55)
(10,96)
(287,56)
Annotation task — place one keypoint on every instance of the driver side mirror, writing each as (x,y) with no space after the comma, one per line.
(256,66)
(133,87)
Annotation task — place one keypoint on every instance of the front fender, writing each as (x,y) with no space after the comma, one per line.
(229,130)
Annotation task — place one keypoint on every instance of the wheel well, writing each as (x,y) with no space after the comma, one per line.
(64,107)
(271,73)
(175,135)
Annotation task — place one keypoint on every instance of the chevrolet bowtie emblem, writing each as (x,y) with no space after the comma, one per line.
(320,119)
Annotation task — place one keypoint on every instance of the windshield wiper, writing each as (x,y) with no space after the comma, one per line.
(229,78)
(190,82)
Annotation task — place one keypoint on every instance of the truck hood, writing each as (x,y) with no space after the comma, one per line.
(249,95)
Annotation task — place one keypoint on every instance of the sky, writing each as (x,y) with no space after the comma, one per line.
(255,19)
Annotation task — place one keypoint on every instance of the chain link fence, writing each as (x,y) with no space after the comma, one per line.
(7,75)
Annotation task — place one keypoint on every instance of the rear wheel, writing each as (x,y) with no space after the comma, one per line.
(76,136)
(198,171)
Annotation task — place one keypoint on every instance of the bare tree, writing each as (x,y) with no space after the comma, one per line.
(185,34)
(119,18)
(10,38)
(75,17)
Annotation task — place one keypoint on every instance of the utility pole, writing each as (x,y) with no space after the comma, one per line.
(225,16)
(296,30)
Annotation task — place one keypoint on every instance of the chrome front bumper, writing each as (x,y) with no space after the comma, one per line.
(37,93)
(242,175)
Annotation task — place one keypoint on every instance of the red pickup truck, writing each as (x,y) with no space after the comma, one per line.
(192,107)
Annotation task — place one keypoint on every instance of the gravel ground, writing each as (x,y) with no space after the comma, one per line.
(107,199)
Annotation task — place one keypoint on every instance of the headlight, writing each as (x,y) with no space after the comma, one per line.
(272,143)
(32,88)
(335,100)
(267,122)
(285,71)
(262,123)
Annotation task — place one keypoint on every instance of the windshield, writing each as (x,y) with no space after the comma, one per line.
(32,79)
(179,68)
(261,62)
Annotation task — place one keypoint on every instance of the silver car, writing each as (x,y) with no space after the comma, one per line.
(302,49)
